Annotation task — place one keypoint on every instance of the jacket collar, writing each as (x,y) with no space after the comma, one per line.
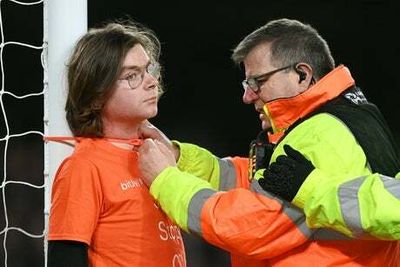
(285,111)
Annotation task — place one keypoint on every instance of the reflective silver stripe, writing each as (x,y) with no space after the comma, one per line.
(298,217)
(327,234)
(349,203)
(294,213)
(392,185)
(348,198)
(227,175)
(256,187)
(195,206)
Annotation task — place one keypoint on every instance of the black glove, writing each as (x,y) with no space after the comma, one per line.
(285,176)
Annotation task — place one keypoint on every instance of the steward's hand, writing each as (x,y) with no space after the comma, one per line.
(154,157)
(148,130)
(285,176)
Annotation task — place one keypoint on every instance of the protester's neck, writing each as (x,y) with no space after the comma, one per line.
(122,137)
(121,131)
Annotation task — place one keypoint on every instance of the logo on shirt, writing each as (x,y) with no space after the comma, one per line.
(131,183)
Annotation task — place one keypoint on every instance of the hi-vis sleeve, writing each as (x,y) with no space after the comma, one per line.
(242,221)
(249,221)
(365,207)
(221,173)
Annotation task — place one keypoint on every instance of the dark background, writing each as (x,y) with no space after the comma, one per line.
(202,103)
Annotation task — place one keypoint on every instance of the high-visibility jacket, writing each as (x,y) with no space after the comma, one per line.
(214,198)
(345,208)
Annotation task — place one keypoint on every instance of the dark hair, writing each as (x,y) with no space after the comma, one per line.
(291,42)
(94,67)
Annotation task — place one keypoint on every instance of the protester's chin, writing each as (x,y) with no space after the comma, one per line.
(153,113)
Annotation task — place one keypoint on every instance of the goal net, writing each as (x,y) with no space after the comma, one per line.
(36,38)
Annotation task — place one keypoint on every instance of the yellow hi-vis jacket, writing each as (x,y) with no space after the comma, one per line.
(213,198)
(363,207)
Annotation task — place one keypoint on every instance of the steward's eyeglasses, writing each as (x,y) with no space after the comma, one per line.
(136,76)
(255,83)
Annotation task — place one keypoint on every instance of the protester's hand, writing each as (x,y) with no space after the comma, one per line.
(148,130)
(154,157)
(285,176)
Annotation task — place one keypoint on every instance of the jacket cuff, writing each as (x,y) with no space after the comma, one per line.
(186,153)
(191,155)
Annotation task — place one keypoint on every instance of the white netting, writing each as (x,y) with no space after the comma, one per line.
(21,132)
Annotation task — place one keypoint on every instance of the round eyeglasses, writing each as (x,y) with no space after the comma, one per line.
(136,76)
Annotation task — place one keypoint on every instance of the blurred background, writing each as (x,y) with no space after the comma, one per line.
(202,103)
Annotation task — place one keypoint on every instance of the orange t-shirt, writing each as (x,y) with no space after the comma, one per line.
(98,198)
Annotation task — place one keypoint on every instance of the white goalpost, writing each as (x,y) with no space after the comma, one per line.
(64,21)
